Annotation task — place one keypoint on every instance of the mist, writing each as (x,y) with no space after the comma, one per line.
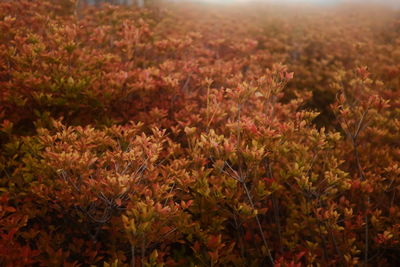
(385,3)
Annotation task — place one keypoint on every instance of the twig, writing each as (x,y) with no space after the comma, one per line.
(361,171)
(360,124)
(239,235)
(242,181)
(258,223)
(338,251)
(143,249)
(133,255)
(276,210)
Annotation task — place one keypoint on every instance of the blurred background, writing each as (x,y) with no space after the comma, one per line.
(141,3)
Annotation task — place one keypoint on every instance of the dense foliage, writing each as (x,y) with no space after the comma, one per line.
(198,136)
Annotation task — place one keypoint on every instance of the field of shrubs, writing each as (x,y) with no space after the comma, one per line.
(199,135)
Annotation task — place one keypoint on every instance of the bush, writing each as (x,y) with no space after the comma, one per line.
(174,136)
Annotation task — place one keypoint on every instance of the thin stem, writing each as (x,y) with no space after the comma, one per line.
(360,124)
(211,119)
(143,249)
(238,127)
(241,245)
(360,169)
(277,220)
(366,236)
(208,106)
(336,246)
(325,251)
(258,224)
(357,156)
(276,211)
(133,256)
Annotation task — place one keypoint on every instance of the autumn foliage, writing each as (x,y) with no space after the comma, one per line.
(198,136)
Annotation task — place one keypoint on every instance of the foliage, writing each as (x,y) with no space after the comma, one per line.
(174,136)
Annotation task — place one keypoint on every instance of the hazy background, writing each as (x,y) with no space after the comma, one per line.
(390,3)
(395,4)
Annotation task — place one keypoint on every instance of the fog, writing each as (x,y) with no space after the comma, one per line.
(388,3)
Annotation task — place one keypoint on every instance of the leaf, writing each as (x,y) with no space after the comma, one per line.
(10,209)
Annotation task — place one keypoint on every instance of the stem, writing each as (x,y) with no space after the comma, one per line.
(211,119)
(276,209)
(324,251)
(239,236)
(258,224)
(357,156)
(242,181)
(143,249)
(277,220)
(133,256)
(366,236)
(238,126)
(240,163)
(336,246)
(208,106)
(360,124)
